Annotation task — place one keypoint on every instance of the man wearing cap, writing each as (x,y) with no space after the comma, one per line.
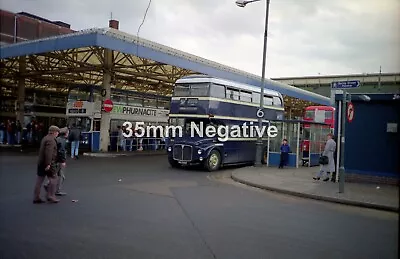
(61,160)
(47,166)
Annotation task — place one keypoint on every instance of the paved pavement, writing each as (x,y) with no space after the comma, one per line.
(138,207)
(299,182)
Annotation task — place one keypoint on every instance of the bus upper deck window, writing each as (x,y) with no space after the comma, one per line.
(268,100)
(277,101)
(232,94)
(256,98)
(181,90)
(217,91)
(245,96)
(199,89)
(309,114)
(328,115)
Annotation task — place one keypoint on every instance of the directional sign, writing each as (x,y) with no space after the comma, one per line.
(350,112)
(108,105)
(345,84)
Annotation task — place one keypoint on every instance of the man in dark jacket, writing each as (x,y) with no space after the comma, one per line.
(47,166)
(74,138)
(61,160)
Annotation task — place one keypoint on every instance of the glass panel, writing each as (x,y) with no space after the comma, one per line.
(275,143)
(163,104)
(96,125)
(277,101)
(118,98)
(150,102)
(181,90)
(135,101)
(97,97)
(256,98)
(217,91)
(177,122)
(78,95)
(42,100)
(306,133)
(245,96)
(81,122)
(310,114)
(267,100)
(232,94)
(58,101)
(328,115)
(199,90)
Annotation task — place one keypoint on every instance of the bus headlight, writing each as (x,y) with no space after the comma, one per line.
(199,151)
(169,149)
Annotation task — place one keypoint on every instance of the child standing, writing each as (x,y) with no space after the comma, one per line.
(285,150)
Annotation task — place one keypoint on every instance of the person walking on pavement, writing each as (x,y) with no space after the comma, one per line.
(330,148)
(121,138)
(2,132)
(18,127)
(74,138)
(47,166)
(61,160)
(285,150)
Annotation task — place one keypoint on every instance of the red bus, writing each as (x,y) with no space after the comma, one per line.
(323,114)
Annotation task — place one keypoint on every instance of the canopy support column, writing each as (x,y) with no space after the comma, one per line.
(105,116)
(20,107)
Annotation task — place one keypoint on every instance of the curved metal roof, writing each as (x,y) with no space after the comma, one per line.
(129,44)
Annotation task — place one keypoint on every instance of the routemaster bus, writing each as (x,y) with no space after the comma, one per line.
(322,114)
(208,101)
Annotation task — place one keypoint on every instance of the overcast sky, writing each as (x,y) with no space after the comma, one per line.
(305,38)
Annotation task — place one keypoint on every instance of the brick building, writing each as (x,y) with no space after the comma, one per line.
(22,26)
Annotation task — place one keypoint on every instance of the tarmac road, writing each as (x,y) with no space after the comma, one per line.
(138,207)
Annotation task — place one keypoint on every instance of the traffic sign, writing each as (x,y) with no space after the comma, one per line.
(108,105)
(350,112)
(345,84)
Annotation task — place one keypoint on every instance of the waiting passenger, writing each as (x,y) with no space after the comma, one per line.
(285,150)
(121,138)
(74,138)
(329,166)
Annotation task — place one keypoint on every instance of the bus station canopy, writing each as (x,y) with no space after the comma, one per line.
(137,64)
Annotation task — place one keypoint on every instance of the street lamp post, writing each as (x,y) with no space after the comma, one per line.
(346,98)
(259,143)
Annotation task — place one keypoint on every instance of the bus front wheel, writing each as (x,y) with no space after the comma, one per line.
(173,163)
(213,161)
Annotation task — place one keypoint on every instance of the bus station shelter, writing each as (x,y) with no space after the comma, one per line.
(110,58)
(292,131)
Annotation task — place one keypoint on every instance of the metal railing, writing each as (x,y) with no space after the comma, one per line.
(137,144)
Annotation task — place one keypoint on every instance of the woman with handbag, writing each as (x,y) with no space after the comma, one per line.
(327,159)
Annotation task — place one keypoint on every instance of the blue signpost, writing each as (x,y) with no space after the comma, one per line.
(346,84)
(341,87)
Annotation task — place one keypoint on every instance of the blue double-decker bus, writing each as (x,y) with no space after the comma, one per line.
(204,101)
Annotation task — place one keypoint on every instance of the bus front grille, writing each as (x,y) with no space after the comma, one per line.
(187,153)
(182,152)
